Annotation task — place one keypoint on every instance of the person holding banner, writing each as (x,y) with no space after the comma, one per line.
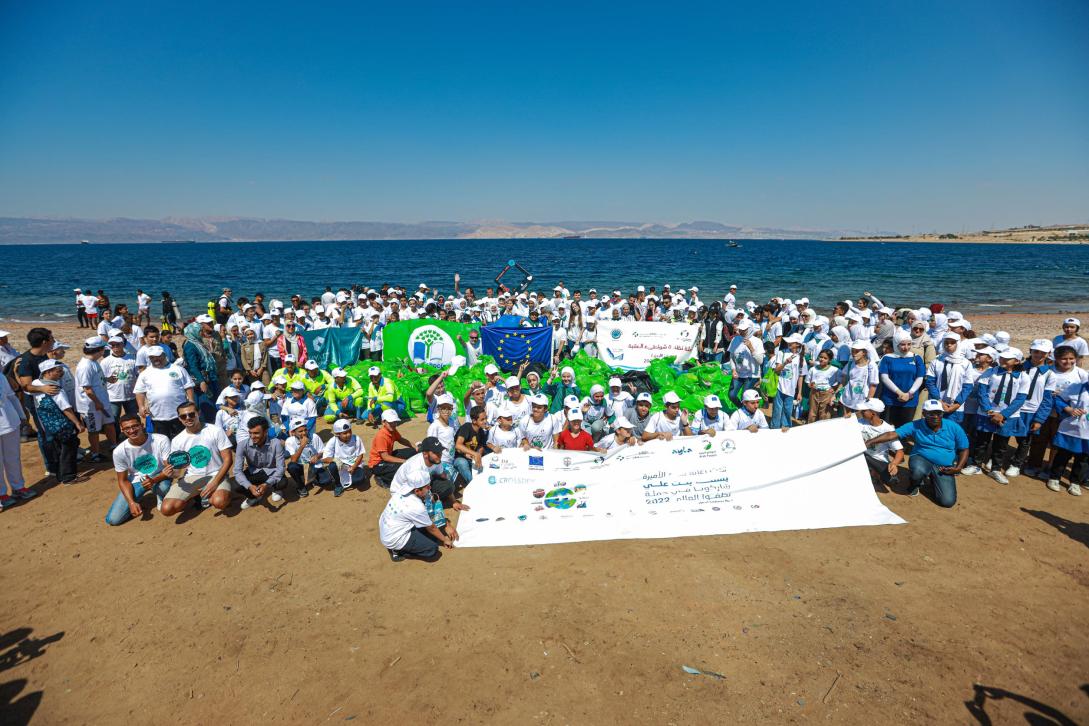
(884,460)
(669,422)
(405,527)
(623,436)
(709,419)
(940,452)
(573,437)
(749,417)
(539,429)
(470,443)
(201,456)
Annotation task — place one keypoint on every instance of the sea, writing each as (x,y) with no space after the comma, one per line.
(37,281)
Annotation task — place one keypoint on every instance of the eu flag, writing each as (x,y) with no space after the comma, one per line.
(511,346)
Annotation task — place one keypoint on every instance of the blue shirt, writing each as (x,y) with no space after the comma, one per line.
(938,447)
(902,371)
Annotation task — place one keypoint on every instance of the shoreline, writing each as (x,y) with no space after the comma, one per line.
(964,241)
(1022,327)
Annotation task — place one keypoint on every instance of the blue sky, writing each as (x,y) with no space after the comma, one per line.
(895,115)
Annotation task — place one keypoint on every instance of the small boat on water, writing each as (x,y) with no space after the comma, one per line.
(733,245)
(84,242)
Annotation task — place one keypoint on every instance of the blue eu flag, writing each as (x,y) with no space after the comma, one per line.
(511,346)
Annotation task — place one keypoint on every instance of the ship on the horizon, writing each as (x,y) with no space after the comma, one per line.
(178,242)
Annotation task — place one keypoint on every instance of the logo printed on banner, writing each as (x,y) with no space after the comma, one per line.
(727,446)
(536,462)
(432,345)
(319,343)
(616,334)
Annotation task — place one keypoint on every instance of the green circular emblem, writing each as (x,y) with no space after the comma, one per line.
(146,464)
(199,456)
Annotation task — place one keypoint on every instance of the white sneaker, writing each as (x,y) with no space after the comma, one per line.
(999,477)
(1013,471)
(276,498)
(1075,489)
(251,502)
(1053,485)
(159,502)
(970,470)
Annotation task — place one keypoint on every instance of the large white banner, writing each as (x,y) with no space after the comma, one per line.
(633,346)
(809,477)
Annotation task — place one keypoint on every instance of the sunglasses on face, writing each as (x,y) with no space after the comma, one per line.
(184,416)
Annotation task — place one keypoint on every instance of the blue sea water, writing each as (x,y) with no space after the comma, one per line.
(36,282)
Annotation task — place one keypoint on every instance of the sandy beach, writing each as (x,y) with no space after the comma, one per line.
(294,613)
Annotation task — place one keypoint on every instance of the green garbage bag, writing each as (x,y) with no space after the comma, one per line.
(769,384)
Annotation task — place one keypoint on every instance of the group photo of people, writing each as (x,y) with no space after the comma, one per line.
(226,408)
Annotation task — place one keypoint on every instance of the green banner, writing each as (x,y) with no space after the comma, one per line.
(434,342)
(333,347)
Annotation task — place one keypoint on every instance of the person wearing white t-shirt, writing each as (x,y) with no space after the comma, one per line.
(120,367)
(668,423)
(445,429)
(405,527)
(709,420)
(160,389)
(90,307)
(622,436)
(343,454)
(883,459)
(299,405)
(92,399)
(140,462)
(790,367)
(143,308)
(1070,338)
(539,429)
(749,417)
(211,458)
(302,456)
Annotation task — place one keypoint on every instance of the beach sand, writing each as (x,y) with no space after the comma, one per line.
(295,614)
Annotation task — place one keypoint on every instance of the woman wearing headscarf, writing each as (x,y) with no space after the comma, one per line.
(921,342)
(902,374)
(841,346)
(859,377)
(206,362)
(946,378)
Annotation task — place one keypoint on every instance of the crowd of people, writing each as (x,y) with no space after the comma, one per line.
(226,403)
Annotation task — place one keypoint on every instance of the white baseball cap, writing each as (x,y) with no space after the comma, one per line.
(644,396)
(513,382)
(48,364)
(712,401)
(539,400)
(1072,321)
(374,371)
(311,365)
(873,404)
(932,404)
(622,423)
(297,423)
(231,392)
(671,397)
(154,351)
(205,319)
(444,399)
(297,385)
(750,395)
(289,358)
(571,401)
(390,416)
(490,369)
(342,425)
(340,373)
(1014,353)
(614,381)
(94,342)
(574,415)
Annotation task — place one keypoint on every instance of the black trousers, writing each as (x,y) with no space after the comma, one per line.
(60,456)
(169,428)
(383,471)
(1061,457)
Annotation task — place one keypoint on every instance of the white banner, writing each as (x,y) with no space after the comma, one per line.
(633,346)
(809,477)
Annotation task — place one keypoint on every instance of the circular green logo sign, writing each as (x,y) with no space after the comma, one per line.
(146,464)
(199,456)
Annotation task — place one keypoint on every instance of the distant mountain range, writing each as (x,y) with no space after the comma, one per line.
(26,230)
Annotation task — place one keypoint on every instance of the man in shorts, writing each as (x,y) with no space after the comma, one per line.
(93,399)
(210,461)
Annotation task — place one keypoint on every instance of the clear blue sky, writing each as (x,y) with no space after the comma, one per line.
(888,114)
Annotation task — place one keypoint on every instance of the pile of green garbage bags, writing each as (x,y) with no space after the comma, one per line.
(691,383)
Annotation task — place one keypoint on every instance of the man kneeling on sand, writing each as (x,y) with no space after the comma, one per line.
(210,458)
